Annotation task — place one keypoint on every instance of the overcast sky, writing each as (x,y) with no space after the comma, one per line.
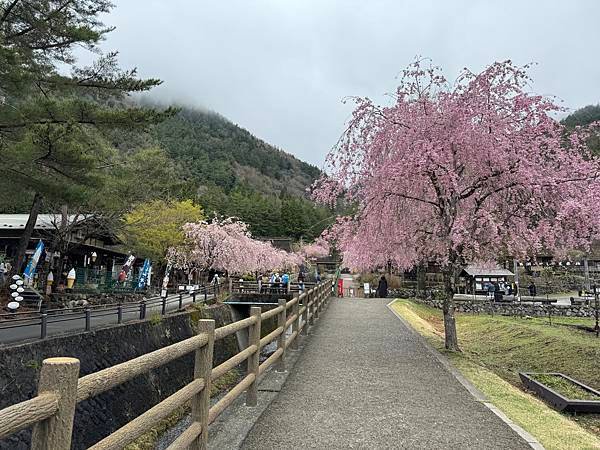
(281,68)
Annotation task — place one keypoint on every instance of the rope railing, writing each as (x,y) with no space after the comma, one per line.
(51,412)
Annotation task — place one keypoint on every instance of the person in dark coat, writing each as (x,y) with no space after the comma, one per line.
(532,289)
(382,288)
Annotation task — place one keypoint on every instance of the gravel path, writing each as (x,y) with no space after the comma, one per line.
(364,380)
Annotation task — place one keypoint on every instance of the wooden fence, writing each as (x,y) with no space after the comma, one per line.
(51,412)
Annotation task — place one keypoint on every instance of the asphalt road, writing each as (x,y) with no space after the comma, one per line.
(364,380)
(28,330)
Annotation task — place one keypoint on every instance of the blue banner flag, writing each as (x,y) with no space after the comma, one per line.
(144,274)
(33,262)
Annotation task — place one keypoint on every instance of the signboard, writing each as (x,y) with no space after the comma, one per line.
(165,283)
(367,288)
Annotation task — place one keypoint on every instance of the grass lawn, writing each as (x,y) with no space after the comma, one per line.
(496,348)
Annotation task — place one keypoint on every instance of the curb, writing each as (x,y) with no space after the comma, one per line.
(470,387)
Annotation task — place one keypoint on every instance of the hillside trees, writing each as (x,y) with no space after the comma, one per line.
(217,152)
(457,173)
(268,215)
(587,117)
(152,227)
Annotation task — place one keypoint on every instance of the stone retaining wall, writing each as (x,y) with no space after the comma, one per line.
(513,309)
(99,416)
(67,300)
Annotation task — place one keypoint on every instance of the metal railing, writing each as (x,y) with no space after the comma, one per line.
(51,412)
(268,287)
(88,313)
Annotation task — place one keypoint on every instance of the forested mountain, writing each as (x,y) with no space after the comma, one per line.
(584,117)
(217,152)
(220,166)
(233,173)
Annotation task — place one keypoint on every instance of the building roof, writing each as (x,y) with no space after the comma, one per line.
(43,222)
(476,271)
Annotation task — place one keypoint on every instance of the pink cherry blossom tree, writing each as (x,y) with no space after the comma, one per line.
(456,173)
(317,249)
(226,245)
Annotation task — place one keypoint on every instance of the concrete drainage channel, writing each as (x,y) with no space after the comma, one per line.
(230,429)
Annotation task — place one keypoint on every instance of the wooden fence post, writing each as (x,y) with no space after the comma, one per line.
(202,369)
(304,331)
(317,302)
(311,307)
(59,375)
(253,361)
(281,318)
(295,324)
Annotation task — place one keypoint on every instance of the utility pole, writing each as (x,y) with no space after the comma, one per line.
(586,273)
(516,271)
(596,311)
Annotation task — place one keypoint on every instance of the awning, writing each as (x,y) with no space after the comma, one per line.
(475,271)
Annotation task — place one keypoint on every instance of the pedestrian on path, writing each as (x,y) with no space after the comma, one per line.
(532,289)
(285,279)
(382,288)
(215,282)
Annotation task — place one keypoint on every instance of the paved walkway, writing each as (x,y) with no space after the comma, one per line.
(365,381)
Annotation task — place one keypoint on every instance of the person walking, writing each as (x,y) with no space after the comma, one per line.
(532,289)
(215,283)
(285,281)
(382,287)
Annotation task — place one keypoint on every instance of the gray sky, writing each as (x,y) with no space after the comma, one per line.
(281,68)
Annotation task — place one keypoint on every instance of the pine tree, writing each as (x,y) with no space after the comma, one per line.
(52,125)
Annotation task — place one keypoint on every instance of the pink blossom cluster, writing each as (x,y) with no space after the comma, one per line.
(227,245)
(317,249)
(451,173)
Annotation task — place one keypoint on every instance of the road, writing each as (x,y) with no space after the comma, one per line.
(58,324)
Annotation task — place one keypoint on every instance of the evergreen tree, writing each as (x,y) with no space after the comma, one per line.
(52,125)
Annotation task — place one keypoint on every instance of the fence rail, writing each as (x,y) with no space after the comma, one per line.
(268,287)
(52,411)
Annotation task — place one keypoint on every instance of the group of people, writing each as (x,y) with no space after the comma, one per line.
(496,289)
(276,283)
